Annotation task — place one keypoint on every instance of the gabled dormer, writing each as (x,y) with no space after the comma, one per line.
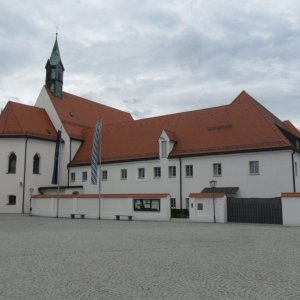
(167,141)
(54,72)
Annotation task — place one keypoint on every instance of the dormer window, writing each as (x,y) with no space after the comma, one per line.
(164,149)
(167,141)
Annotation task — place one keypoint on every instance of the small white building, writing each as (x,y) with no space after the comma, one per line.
(240,145)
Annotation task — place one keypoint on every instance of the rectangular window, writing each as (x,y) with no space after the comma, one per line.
(172,171)
(157,172)
(189,172)
(123,174)
(163,149)
(217,169)
(141,173)
(11,200)
(146,205)
(254,167)
(187,203)
(199,206)
(73,177)
(173,202)
(84,176)
(104,175)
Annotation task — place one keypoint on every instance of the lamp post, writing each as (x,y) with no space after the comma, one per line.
(213,184)
(30,193)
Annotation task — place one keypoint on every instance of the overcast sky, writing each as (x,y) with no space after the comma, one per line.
(155,57)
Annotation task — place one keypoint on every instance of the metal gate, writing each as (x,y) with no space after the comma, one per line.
(254,210)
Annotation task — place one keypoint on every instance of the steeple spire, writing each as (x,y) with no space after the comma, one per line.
(54,72)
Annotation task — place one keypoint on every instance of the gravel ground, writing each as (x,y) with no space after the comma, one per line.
(46,258)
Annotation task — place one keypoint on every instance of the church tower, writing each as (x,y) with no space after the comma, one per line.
(55,72)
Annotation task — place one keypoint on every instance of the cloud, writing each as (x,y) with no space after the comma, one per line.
(161,57)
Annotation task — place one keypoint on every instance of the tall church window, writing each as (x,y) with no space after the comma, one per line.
(36,164)
(12,163)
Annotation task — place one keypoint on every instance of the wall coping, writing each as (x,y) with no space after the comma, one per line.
(66,196)
(290,195)
(206,195)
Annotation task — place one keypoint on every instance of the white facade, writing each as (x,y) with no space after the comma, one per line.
(18,183)
(274,176)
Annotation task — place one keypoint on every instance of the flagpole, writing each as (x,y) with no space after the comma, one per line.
(99,167)
(58,177)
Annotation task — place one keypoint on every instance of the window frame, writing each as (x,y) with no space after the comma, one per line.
(164,150)
(104,175)
(200,206)
(36,168)
(10,202)
(141,171)
(155,171)
(254,167)
(73,176)
(84,176)
(173,202)
(12,163)
(143,204)
(123,174)
(217,169)
(189,171)
(172,171)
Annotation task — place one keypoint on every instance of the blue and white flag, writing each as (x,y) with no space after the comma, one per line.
(95,152)
(55,175)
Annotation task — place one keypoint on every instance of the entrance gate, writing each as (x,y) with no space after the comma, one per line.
(254,210)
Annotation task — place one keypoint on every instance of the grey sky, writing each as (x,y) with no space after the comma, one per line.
(156,57)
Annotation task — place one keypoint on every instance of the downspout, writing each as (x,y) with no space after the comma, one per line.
(24,175)
(70,152)
(293,168)
(180,182)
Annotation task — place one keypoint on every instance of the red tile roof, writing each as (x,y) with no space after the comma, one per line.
(291,128)
(19,119)
(243,125)
(77,113)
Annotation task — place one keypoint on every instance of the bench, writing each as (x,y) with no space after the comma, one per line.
(81,216)
(118,217)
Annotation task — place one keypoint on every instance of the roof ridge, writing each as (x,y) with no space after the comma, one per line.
(79,98)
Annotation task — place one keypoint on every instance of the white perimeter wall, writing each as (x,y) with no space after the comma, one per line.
(90,207)
(207,213)
(291,210)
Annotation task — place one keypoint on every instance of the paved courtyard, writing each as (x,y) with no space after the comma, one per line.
(44,258)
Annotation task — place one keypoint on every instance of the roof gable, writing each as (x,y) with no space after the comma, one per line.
(26,120)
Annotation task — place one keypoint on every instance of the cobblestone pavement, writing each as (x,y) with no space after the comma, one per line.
(45,258)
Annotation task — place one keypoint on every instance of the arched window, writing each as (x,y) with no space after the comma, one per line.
(36,164)
(12,163)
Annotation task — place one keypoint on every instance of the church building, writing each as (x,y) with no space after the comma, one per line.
(246,150)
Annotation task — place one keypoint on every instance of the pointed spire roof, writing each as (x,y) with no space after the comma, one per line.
(55,55)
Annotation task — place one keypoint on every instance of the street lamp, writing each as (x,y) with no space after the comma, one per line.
(213,184)
(30,193)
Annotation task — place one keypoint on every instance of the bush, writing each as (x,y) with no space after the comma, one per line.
(179,213)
